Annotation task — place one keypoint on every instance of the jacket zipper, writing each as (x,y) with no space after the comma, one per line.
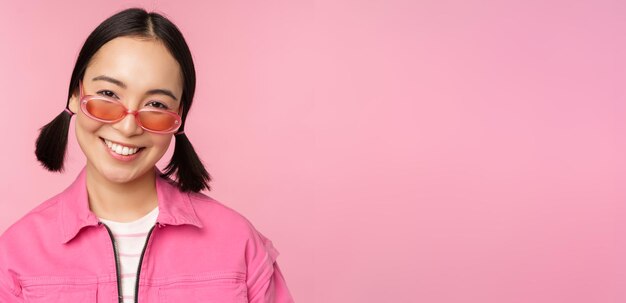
(117,266)
(140,261)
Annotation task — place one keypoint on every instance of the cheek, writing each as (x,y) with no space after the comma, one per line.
(161,142)
(87,125)
(85,130)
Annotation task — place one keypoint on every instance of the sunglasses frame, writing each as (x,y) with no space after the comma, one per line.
(85,98)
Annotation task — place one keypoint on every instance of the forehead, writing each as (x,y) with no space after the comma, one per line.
(141,64)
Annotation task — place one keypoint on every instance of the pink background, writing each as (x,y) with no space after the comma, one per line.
(394,151)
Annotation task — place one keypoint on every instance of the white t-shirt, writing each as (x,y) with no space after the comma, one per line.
(130,238)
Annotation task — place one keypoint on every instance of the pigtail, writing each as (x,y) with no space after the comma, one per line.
(192,176)
(52,142)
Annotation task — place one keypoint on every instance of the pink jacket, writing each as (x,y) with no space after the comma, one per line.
(198,251)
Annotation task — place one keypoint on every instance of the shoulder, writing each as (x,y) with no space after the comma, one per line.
(215,213)
(217,216)
(259,251)
(40,219)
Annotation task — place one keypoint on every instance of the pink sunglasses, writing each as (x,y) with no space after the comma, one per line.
(109,110)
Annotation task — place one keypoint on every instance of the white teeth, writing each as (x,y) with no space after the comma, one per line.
(122,150)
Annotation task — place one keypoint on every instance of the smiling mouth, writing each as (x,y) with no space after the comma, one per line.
(120,149)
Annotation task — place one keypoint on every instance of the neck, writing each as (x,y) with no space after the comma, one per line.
(121,202)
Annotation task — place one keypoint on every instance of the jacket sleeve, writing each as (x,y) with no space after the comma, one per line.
(265,280)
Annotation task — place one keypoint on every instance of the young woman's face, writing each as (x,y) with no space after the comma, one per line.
(126,69)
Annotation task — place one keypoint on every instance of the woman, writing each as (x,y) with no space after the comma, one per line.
(124,231)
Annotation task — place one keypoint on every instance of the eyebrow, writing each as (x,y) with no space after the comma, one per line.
(156,91)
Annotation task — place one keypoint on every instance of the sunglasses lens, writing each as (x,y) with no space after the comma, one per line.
(110,111)
(105,110)
(158,121)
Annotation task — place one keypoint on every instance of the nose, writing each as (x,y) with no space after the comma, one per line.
(128,126)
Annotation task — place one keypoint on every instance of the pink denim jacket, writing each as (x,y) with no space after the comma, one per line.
(198,251)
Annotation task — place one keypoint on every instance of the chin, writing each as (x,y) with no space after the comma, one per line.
(121,174)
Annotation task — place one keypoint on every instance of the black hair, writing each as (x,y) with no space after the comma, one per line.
(133,22)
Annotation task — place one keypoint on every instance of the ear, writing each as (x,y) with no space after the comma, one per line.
(73,103)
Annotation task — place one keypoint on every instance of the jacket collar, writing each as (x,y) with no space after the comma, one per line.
(175,208)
